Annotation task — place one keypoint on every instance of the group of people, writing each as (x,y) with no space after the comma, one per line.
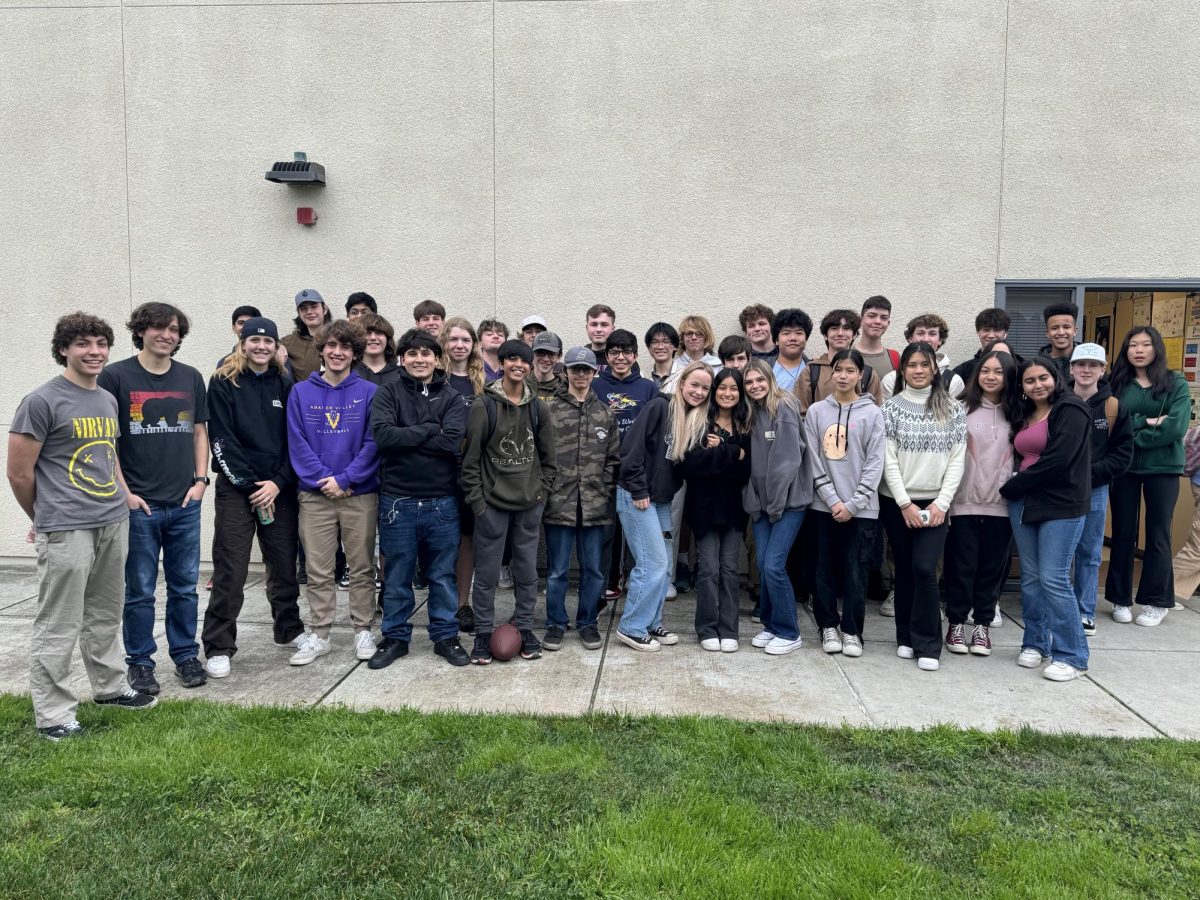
(449,457)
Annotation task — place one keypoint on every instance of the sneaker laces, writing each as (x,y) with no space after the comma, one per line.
(957,634)
(979,635)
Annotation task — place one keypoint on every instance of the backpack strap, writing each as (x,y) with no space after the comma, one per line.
(814,375)
(894,356)
(1110,412)
(489,407)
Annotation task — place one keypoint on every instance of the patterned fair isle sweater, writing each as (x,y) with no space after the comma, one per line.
(925,457)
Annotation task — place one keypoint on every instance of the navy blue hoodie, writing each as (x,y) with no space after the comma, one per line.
(624,397)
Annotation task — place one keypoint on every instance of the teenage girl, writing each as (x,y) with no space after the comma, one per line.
(714,463)
(926,445)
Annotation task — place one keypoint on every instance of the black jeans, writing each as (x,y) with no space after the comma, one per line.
(233,535)
(916,552)
(841,571)
(1157,585)
(717,583)
(976,563)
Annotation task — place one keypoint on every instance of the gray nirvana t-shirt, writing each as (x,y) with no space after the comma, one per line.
(76,472)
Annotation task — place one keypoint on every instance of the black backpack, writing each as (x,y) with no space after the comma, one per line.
(489,407)
(814,369)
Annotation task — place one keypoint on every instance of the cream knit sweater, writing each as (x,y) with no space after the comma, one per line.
(925,457)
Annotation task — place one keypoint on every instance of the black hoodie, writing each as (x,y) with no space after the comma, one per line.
(645,470)
(1059,484)
(419,430)
(1111,452)
(247,429)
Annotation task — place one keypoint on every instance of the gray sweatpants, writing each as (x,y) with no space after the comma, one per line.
(81,596)
(490,530)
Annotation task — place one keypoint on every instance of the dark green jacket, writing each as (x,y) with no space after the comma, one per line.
(585,435)
(513,468)
(1158,449)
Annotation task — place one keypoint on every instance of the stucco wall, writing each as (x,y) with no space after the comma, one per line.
(515,157)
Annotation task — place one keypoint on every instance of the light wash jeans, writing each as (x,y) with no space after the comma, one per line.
(1087,554)
(645,534)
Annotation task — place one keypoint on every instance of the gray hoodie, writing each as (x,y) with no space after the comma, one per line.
(779,478)
(847,447)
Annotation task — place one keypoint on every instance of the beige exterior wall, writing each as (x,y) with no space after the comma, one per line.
(516,157)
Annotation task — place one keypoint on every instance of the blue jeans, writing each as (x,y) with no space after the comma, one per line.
(413,529)
(1087,554)
(588,541)
(772,544)
(1052,625)
(173,531)
(645,533)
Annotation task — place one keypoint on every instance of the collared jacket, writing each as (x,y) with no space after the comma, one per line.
(588,448)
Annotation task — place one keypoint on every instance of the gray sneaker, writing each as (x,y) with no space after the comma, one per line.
(553,638)
(505,582)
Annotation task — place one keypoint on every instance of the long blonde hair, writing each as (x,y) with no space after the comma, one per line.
(474,359)
(775,394)
(237,362)
(688,426)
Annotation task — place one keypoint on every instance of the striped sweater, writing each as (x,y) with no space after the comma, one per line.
(925,457)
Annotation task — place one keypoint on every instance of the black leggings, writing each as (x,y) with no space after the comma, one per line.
(918,601)
(1157,585)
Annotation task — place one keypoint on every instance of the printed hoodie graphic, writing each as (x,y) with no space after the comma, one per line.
(512,466)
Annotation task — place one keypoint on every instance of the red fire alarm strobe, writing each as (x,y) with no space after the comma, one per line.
(306,215)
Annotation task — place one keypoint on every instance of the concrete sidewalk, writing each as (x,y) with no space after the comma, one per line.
(1140,683)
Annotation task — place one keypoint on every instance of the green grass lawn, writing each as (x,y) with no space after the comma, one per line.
(197,799)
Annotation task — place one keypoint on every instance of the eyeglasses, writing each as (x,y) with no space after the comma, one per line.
(622,353)
(688,334)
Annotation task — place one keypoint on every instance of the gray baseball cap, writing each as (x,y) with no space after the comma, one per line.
(580,356)
(1089,353)
(309,295)
(548,340)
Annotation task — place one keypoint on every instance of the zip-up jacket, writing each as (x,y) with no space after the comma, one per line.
(779,475)
(645,470)
(247,429)
(988,463)
(1111,452)
(513,467)
(624,397)
(329,433)
(588,446)
(1059,484)
(847,448)
(715,478)
(1158,449)
(418,429)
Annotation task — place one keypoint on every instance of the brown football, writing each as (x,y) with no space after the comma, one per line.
(506,642)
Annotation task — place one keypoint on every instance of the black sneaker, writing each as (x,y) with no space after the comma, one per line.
(531,647)
(466,619)
(129,700)
(57,732)
(1089,627)
(481,653)
(387,652)
(664,637)
(344,580)
(451,651)
(646,643)
(142,680)
(553,638)
(191,673)
(302,574)
(589,635)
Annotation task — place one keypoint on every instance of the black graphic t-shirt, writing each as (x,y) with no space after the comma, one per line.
(157,414)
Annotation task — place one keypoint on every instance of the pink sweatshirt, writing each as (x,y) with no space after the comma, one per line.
(988,465)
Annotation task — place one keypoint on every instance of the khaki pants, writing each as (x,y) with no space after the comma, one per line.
(1186,564)
(320,519)
(81,596)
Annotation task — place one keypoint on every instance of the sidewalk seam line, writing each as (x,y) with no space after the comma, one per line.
(603,656)
(854,692)
(1121,702)
(338,683)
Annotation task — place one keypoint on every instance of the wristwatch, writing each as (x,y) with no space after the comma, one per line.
(201,478)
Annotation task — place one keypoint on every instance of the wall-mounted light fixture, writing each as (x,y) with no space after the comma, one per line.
(299,173)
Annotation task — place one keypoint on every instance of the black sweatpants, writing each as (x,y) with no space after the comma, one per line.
(916,552)
(841,571)
(1157,584)
(976,563)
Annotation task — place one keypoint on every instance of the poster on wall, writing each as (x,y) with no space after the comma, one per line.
(1104,334)
(1195,392)
(1141,311)
(1168,316)
(1174,348)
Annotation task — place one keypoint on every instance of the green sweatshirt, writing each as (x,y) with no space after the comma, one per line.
(1158,449)
(514,468)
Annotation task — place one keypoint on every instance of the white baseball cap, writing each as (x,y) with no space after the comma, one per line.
(1089,353)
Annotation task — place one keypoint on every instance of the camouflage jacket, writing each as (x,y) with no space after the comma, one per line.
(585,437)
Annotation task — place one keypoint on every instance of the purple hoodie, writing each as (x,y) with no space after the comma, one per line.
(329,433)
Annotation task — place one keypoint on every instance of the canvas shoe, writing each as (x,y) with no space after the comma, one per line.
(131,699)
(713,645)
(1029,658)
(589,636)
(1151,616)
(553,638)
(761,639)
(780,646)
(888,606)
(57,732)
(1122,614)
(646,644)
(672,591)
(664,637)
(1089,626)
(830,642)
(905,652)
(1060,671)
(997,618)
(312,647)
(729,645)
(364,645)
(217,666)
(851,645)
(927,664)
(981,641)
(956,639)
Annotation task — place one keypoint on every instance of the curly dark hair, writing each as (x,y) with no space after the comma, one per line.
(343,332)
(156,315)
(76,325)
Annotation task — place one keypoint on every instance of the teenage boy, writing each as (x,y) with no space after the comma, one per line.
(62,467)
(578,510)
(509,466)
(839,327)
(790,332)
(547,376)
(162,411)
(1112,452)
(929,329)
(990,325)
(359,304)
(662,341)
(875,317)
(336,465)
(428,316)
(734,352)
(418,422)
(302,352)
(492,333)
(756,321)
(600,320)
(531,327)
(1060,332)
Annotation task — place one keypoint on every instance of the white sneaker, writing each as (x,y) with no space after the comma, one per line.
(779,646)
(1029,658)
(830,642)
(997,619)
(505,582)
(905,652)
(729,645)
(1122,614)
(927,664)
(761,639)
(851,645)
(364,645)
(672,593)
(713,644)
(1151,616)
(311,649)
(1060,671)
(217,666)
(888,606)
